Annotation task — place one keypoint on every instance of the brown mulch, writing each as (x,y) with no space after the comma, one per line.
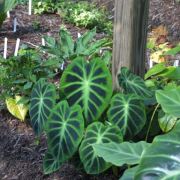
(21,158)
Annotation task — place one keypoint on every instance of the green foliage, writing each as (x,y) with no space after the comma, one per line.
(46,6)
(132,83)
(5,5)
(88,84)
(42,101)
(64,49)
(19,74)
(158,160)
(128,113)
(65,129)
(161,159)
(123,153)
(169,100)
(97,133)
(166,121)
(83,14)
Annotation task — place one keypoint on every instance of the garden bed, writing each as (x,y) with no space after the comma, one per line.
(20,155)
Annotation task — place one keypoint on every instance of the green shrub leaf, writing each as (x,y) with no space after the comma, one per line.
(161,161)
(97,133)
(155,70)
(128,113)
(123,153)
(88,84)
(132,83)
(65,129)
(42,101)
(169,100)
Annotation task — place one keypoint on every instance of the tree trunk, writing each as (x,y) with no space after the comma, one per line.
(130,34)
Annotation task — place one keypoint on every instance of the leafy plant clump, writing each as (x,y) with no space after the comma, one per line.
(108,130)
(18,76)
(83,14)
(5,5)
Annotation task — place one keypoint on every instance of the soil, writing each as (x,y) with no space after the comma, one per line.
(20,157)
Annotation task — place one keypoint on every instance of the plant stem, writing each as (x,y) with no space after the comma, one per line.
(152,117)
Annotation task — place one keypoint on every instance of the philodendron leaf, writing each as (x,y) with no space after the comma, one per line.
(83,41)
(155,70)
(161,161)
(166,121)
(128,113)
(123,153)
(65,129)
(88,84)
(66,42)
(97,133)
(129,174)
(50,163)
(132,83)
(169,100)
(43,98)
(16,109)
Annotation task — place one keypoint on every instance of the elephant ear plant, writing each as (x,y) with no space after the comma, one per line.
(93,124)
(159,159)
(72,125)
(5,5)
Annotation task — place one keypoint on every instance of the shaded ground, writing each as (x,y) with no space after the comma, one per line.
(20,157)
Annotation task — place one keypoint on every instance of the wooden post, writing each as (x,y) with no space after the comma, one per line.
(130,34)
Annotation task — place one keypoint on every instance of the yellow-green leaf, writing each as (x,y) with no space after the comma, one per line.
(17,110)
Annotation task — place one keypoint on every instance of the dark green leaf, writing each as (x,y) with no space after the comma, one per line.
(64,129)
(88,84)
(97,133)
(132,83)
(42,101)
(128,113)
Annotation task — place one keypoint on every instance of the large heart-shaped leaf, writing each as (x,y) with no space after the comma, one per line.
(161,161)
(16,109)
(88,84)
(120,154)
(128,113)
(65,129)
(42,101)
(169,100)
(97,133)
(132,83)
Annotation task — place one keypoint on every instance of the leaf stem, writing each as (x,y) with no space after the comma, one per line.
(152,117)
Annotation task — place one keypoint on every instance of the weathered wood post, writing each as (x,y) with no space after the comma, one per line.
(130,34)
